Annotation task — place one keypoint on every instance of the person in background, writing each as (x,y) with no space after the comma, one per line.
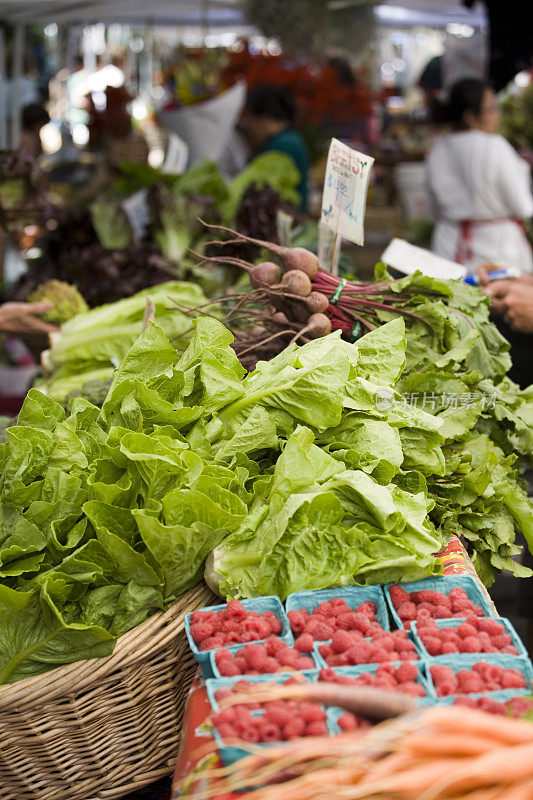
(76,91)
(24,318)
(268,121)
(479,185)
(34,117)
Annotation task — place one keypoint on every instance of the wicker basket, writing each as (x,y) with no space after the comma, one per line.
(101,728)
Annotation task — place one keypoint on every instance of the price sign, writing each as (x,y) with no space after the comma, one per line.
(345,188)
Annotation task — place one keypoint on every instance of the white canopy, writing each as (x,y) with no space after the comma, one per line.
(177,12)
(214,12)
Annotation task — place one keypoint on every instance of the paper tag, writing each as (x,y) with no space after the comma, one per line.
(136,208)
(407,258)
(345,188)
(328,254)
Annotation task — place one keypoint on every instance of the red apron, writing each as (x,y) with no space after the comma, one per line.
(464,252)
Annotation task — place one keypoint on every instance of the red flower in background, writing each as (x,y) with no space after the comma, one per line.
(322,99)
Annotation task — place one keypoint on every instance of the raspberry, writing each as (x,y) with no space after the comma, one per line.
(221,694)
(503,640)
(449,647)
(248,636)
(469,702)
(490,706)
(341,641)
(345,621)
(412,688)
(294,728)
(311,712)
(249,733)
(461,607)
(269,732)
(378,655)
(264,628)
(317,729)
(255,655)
(227,731)
(458,594)
(348,721)
(518,706)
(432,645)
(223,655)
(287,656)
(398,596)
(270,665)
(230,626)
(228,669)
(208,644)
(304,643)
(359,652)
(428,596)
(368,608)
(490,626)
(449,635)
(466,629)
(200,616)
(406,672)
(297,621)
(227,715)
(513,679)
(446,688)
(325,651)
(441,612)
(322,632)
(235,610)
(241,663)
(407,611)
(423,613)
(470,645)
(201,630)
(277,713)
(273,622)
(469,682)
(510,650)
(274,645)
(327,675)
(303,663)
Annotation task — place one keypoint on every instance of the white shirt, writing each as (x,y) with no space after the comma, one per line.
(474,175)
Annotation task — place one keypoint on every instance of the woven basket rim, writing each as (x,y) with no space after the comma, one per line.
(133,646)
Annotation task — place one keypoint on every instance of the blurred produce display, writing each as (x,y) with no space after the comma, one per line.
(516,122)
(99,251)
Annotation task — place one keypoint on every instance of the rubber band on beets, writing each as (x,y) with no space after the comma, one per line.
(336,296)
(356,331)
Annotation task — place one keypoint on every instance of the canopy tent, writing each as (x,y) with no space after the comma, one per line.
(175,12)
(211,12)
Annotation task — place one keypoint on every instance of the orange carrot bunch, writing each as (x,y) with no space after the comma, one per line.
(440,753)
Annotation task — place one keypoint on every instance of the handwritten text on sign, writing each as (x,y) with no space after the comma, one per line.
(345,188)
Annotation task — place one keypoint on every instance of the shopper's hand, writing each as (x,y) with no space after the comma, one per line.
(517,305)
(482,273)
(23,318)
(497,291)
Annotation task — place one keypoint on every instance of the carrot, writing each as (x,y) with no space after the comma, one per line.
(500,765)
(469,720)
(520,791)
(412,781)
(308,786)
(447,744)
